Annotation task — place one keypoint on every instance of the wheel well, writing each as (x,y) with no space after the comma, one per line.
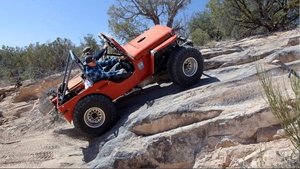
(89,96)
(95,94)
(161,57)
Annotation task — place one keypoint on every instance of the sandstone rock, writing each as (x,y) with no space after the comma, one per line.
(226,143)
(285,55)
(34,90)
(280,134)
(1,113)
(2,96)
(176,148)
(1,117)
(5,91)
(213,52)
(227,161)
(37,89)
(171,121)
(267,133)
(250,155)
(294,41)
(249,50)
(28,82)
(279,154)
(18,111)
(212,64)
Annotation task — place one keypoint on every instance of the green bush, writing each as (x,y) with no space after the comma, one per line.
(199,37)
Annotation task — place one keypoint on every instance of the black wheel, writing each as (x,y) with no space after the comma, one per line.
(185,66)
(94,115)
(170,62)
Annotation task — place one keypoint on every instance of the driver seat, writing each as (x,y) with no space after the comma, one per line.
(120,77)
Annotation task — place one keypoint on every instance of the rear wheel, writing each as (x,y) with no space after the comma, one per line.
(185,66)
(94,115)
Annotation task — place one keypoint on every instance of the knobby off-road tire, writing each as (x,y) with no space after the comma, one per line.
(170,63)
(94,115)
(185,66)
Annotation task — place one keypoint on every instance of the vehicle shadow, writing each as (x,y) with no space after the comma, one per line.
(72,133)
(137,99)
(132,102)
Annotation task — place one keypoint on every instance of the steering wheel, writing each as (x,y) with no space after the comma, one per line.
(108,40)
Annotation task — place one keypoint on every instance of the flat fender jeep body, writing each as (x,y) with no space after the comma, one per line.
(152,52)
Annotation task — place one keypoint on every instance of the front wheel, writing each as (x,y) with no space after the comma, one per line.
(185,66)
(94,115)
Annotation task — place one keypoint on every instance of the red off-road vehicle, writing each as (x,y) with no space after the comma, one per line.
(158,50)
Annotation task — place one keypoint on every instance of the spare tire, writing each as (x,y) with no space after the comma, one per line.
(185,66)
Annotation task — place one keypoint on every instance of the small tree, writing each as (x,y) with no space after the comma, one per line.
(204,21)
(128,18)
(240,18)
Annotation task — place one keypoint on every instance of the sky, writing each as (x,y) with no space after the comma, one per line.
(29,21)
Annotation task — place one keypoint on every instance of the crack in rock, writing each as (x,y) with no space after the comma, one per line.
(172,121)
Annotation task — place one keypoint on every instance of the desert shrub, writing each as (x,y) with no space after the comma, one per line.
(199,37)
(283,106)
